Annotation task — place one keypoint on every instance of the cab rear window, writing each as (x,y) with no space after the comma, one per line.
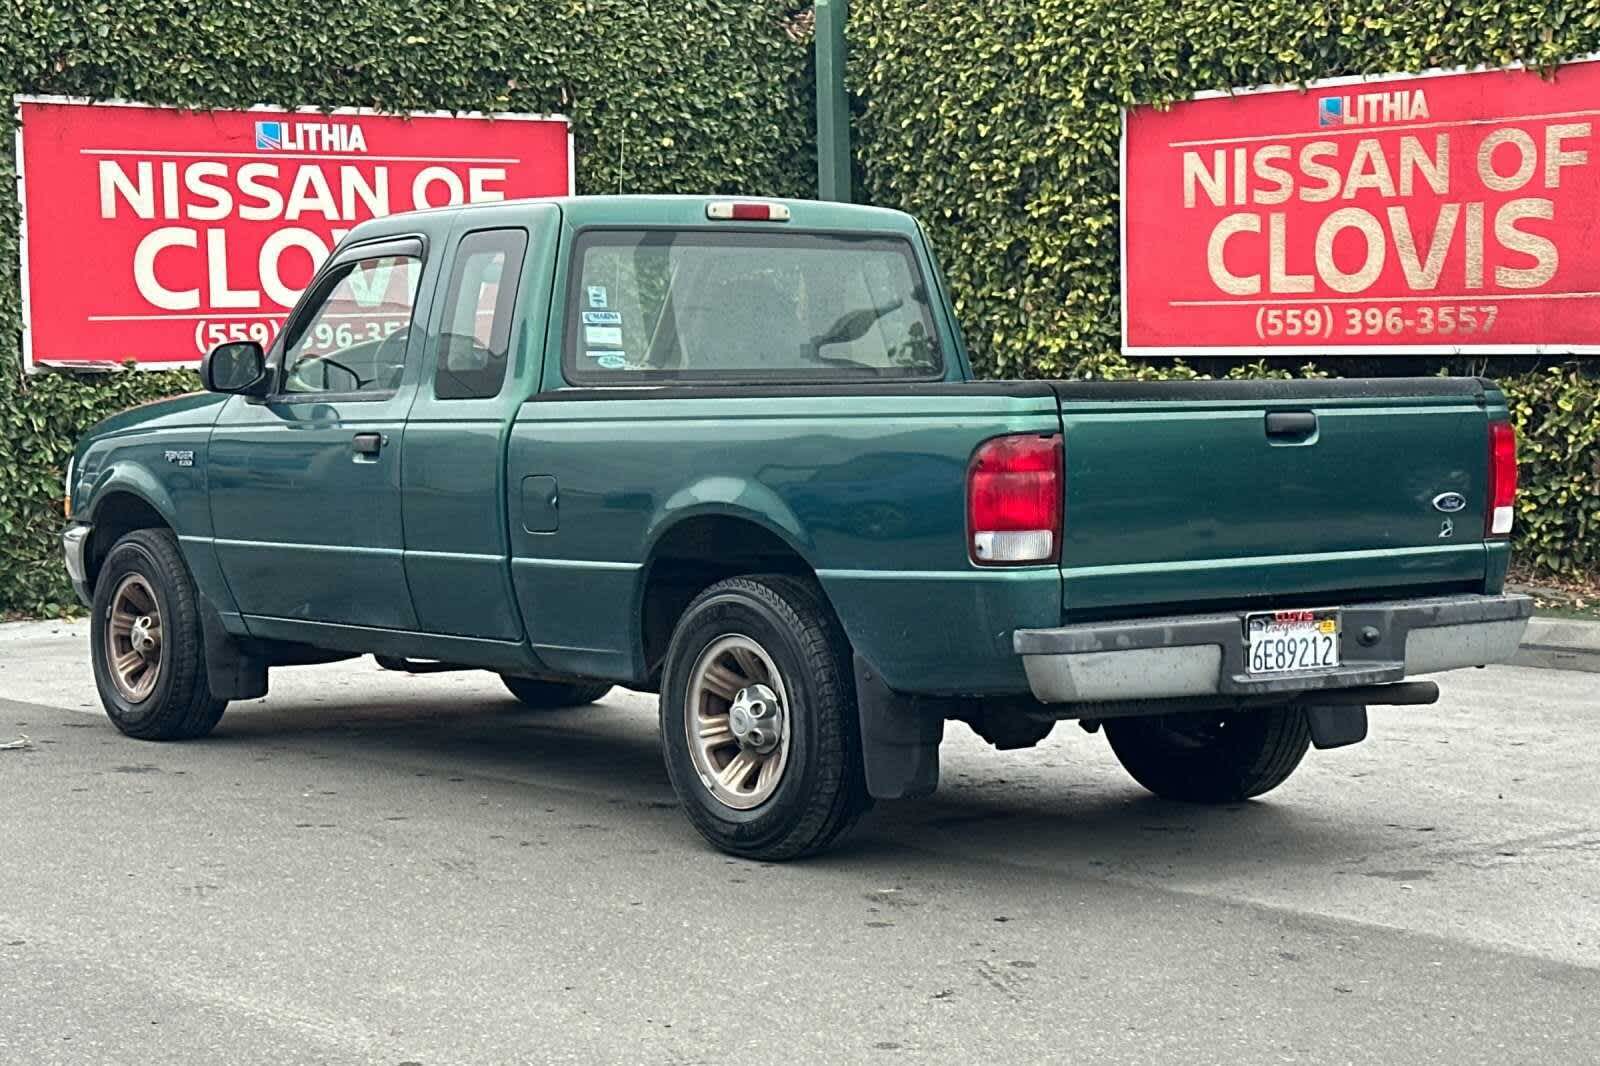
(686,305)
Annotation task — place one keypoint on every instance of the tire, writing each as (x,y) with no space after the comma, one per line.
(544,695)
(777,631)
(144,576)
(1210,756)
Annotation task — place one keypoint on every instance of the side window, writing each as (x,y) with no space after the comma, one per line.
(479,305)
(355,339)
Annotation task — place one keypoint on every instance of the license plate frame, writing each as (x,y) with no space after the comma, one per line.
(1292,642)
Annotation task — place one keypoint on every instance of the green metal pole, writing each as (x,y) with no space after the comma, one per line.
(833,109)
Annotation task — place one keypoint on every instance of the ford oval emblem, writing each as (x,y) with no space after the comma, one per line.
(1449,502)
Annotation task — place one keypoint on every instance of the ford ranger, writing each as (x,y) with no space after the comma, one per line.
(731,452)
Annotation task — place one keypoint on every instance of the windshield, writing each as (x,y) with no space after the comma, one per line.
(739,306)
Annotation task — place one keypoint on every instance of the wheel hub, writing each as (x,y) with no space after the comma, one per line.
(756,719)
(142,635)
(737,722)
(133,638)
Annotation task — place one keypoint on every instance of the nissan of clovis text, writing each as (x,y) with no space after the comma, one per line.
(731,452)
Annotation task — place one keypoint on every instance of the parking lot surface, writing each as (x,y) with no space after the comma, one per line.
(369,867)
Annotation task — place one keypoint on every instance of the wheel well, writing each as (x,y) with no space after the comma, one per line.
(114,518)
(694,555)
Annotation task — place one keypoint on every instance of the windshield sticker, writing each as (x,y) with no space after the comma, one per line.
(612,361)
(598,354)
(603,335)
(597,296)
(602,318)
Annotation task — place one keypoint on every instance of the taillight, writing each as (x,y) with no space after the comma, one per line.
(1502,478)
(1014,500)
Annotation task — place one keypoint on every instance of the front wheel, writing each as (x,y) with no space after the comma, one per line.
(146,642)
(1211,756)
(758,719)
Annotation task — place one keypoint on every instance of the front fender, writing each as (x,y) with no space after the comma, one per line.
(154,473)
(134,479)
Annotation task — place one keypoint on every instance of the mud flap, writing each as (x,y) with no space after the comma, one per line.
(900,738)
(1334,727)
(231,673)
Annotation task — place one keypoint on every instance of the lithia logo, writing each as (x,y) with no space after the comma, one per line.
(1372,109)
(280,136)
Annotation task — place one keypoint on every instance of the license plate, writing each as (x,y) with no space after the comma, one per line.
(1283,642)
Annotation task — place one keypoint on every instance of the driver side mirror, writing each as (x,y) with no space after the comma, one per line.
(235,367)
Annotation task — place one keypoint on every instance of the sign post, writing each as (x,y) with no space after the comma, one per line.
(152,234)
(1447,212)
(833,107)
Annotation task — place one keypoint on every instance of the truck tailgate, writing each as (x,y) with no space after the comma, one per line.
(1182,494)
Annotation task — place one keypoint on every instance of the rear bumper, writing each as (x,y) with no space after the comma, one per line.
(1204,655)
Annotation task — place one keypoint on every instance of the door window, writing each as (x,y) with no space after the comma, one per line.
(475,332)
(355,339)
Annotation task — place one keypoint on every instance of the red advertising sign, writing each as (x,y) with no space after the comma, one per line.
(153,234)
(1442,212)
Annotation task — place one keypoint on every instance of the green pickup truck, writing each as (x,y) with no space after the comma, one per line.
(731,452)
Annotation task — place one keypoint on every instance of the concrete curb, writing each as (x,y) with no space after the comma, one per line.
(1560,644)
(1549,643)
(43,629)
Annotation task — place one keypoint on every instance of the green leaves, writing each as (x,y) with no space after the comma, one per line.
(1557,415)
(998,125)
(713,97)
(995,123)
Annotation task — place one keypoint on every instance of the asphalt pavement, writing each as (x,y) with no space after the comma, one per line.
(368,867)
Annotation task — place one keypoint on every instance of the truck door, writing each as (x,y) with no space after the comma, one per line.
(483,357)
(305,483)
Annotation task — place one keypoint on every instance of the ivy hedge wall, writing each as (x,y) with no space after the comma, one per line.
(709,96)
(998,124)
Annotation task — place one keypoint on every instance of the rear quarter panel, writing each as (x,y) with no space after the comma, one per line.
(868,489)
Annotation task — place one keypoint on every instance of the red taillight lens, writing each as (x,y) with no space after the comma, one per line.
(1014,501)
(1502,478)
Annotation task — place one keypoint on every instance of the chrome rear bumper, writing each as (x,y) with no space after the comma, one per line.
(1201,655)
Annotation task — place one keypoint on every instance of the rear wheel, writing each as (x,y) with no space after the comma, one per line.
(544,695)
(758,719)
(1211,756)
(146,643)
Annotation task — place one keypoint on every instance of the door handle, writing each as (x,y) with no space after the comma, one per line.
(1291,424)
(367,444)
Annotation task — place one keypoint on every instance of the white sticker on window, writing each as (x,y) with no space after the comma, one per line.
(604,335)
(599,355)
(597,296)
(613,361)
(602,318)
